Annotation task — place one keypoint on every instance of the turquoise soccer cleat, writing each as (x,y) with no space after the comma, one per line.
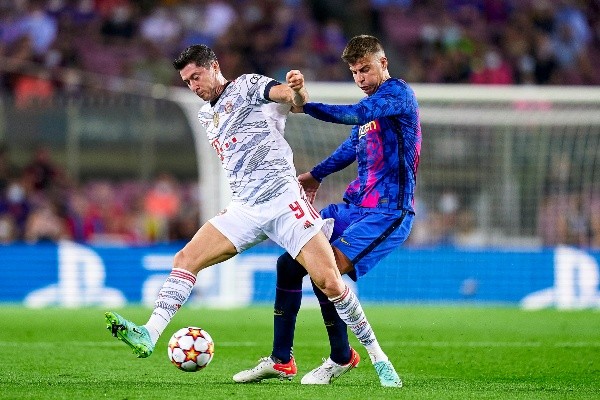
(387,374)
(136,337)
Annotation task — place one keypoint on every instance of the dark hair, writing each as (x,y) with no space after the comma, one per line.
(361,46)
(198,54)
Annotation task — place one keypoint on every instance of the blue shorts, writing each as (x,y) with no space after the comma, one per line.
(367,235)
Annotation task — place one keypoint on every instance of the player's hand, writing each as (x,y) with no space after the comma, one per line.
(295,80)
(310,185)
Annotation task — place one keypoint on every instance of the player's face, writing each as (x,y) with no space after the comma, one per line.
(369,72)
(200,80)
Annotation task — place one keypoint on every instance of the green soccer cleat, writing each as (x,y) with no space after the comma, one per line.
(387,374)
(136,337)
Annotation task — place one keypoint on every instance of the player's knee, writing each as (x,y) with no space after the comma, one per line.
(183,261)
(331,286)
(320,295)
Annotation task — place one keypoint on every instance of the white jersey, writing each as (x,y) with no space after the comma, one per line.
(246,130)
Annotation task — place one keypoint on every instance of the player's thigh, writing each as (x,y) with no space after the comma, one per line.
(290,221)
(372,237)
(222,237)
(207,247)
(241,224)
(317,258)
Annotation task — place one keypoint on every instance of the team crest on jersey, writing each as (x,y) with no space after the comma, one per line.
(368,127)
(228,107)
(216,119)
(308,224)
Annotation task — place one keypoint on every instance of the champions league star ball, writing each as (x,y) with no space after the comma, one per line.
(191,349)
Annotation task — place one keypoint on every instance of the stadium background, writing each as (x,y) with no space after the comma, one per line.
(102,178)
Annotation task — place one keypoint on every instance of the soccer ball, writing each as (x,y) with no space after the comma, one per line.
(191,349)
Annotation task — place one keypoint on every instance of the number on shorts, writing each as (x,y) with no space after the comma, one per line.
(297,209)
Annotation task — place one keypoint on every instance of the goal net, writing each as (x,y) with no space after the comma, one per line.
(500,166)
(504,173)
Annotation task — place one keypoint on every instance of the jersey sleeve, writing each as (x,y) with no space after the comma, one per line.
(342,157)
(394,97)
(258,87)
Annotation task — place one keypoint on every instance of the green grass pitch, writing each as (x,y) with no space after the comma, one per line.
(445,352)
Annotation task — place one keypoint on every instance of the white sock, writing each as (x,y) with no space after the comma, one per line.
(351,312)
(173,293)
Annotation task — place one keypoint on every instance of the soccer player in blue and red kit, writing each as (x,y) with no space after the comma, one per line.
(375,218)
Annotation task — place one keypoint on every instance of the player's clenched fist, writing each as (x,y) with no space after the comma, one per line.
(295,79)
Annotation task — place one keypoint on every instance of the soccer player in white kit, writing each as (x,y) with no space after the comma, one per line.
(244,120)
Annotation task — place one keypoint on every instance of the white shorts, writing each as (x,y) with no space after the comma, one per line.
(289,220)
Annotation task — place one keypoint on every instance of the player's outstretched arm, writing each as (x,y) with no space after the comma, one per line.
(392,99)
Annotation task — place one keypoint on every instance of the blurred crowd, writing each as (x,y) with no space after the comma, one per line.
(565,216)
(569,212)
(40,203)
(52,45)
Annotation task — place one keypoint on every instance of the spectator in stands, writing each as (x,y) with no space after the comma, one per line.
(42,174)
(162,203)
(467,233)
(8,229)
(17,205)
(161,28)
(595,221)
(29,86)
(120,22)
(35,24)
(545,63)
(570,52)
(44,224)
(540,42)
(7,170)
(77,219)
(492,69)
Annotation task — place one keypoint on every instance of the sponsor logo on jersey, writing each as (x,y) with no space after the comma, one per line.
(216,119)
(232,141)
(344,241)
(222,212)
(220,148)
(368,127)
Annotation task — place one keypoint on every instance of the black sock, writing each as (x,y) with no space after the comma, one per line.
(288,296)
(336,329)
